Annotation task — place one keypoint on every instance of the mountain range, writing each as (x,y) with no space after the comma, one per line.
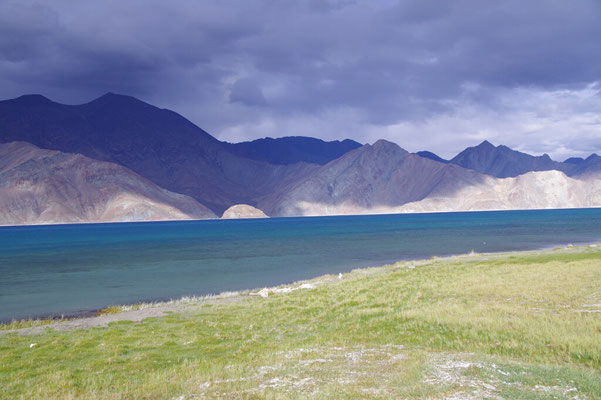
(117,158)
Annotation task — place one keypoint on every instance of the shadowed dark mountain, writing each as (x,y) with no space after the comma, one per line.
(293,149)
(503,162)
(574,160)
(370,178)
(97,128)
(589,167)
(158,144)
(431,156)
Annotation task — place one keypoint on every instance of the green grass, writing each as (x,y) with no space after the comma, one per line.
(513,326)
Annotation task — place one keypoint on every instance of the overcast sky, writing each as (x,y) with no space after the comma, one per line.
(426,74)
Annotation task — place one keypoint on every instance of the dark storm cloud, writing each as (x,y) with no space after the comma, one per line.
(23,29)
(424,73)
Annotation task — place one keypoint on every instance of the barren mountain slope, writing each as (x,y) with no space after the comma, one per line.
(372,176)
(40,186)
(534,190)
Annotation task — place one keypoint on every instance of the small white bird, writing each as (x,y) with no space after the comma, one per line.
(340,275)
(31,345)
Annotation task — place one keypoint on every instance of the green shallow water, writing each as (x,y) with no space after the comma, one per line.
(74,269)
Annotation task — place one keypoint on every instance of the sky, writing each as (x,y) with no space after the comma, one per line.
(426,74)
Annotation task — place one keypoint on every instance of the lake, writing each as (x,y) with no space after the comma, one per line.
(74,269)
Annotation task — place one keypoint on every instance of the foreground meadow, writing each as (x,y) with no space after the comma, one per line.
(518,325)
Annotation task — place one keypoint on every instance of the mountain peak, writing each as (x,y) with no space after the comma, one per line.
(119,103)
(32,99)
(486,144)
(384,143)
(385,147)
(112,97)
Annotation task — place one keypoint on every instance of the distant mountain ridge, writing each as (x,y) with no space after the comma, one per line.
(165,153)
(503,162)
(574,160)
(591,166)
(293,149)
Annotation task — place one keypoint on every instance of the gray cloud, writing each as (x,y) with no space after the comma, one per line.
(247,92)
(425,74)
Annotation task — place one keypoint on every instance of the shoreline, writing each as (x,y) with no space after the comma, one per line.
(136,312)
(489,325)
(298,216)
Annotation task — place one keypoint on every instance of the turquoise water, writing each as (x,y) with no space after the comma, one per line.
(74,269)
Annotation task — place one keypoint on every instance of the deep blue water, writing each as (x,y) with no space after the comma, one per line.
(72,269)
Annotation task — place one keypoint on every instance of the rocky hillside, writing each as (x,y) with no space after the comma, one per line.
(43,186)
(374,176)
(384,178)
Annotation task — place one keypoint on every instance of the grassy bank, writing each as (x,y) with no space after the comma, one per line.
(523,325)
